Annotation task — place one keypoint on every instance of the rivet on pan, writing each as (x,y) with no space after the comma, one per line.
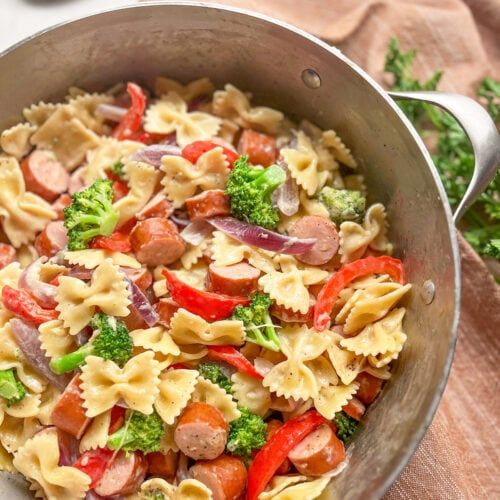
(311,78)
(428,291)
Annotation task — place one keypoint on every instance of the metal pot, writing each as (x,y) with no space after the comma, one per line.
(301,75)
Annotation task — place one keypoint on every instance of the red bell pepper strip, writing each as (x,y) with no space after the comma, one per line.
(275,451)
(348,273)
(179,366)
(116,242)
(150,137)
(193,151)
(132,119)
(22,304)
(116,419)
(210,306)
(233,357)
(120,190)
(94,463)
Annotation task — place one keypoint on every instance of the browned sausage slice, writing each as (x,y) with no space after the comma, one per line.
(44,175)
(165,308)
(76,182)
(163,465)
(158,206)
(201,432)
(123,476)
(288,316)
(7,254)
(260,148)
(156,241)
(208,204)
(319,452)
(325,231)
(226,476)
(60,204)
(52,239)
(237,280)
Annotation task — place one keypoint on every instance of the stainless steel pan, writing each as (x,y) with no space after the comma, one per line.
(295,72)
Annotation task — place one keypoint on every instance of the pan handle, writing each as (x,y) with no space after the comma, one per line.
(480,129)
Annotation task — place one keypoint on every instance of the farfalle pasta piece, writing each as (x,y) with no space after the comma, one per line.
(355,182)
(183,179)
(250,393)
(307,206)
(191,353)
(67,136)
(96,435)
(356,238)
(28,407)
(278,484)
(288,287)
(188,489)
(38,461)
(15,141)
(233,104)
(332,398)
(176,388)
(142,179)
(167,441)
(294,378)
(9,275)
(14,431)
(38,114)
(382,372)
(341,152)
(91,258)
(157,340)
(108,152)
(188,328)
(188,92)
(104,383)
(6,464)
(48,399)
(346,364)
(55,339)
(84,106)
(194,253)
(23,214)
(227,251)
(210,393)
(77,301)
(195,277)
(170,114)
(295,487)
(385,335)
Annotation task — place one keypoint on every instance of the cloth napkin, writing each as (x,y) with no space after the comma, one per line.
(459,457)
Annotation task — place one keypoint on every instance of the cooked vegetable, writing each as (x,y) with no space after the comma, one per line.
(250,190)
(117,169)
(23,304)
(111,342)
(90,214)
(197,148)
(94,463)
(346,426)
(246,433)
(258,323)
(11,389)
(233,357)
(342,204)
(140,432)
(130,123)
(213,372)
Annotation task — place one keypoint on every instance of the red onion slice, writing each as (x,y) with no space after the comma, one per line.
(260,237)
(26,336)
(110,112)
(142,304)
(286,196)
(154,153)
(195,232)
(180,221)
(44,293)
(68,448)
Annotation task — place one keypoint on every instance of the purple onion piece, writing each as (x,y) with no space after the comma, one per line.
(181,222)
(142,304)
(110,112)
(260,237)
(68,448)
(80,273)
(154,153)
(286,196)
(43,292)
(196,232)
(27,338)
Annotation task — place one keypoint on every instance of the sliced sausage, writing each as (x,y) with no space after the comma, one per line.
(123,476)
(260,148)
(76,182)
(201,432)
(354,408)
(236,280)
(272,426)
(369,387)
(319,452)
(52,239)
(68,413)
(209,203)
(325,231)
(226,476)
(156,241)
(140,277)
(44,175)
(7,254)
(158,206)
(60,204)
(288,316)
(163,465)
(166,308)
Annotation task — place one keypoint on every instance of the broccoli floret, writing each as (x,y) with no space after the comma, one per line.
(11,389)
(246,433)
(346,426)
(111,342)
(213,372)
(90,214)
(250,192)
(343,205)
(258,324)
(117,169)
(140,432)
(153,495)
